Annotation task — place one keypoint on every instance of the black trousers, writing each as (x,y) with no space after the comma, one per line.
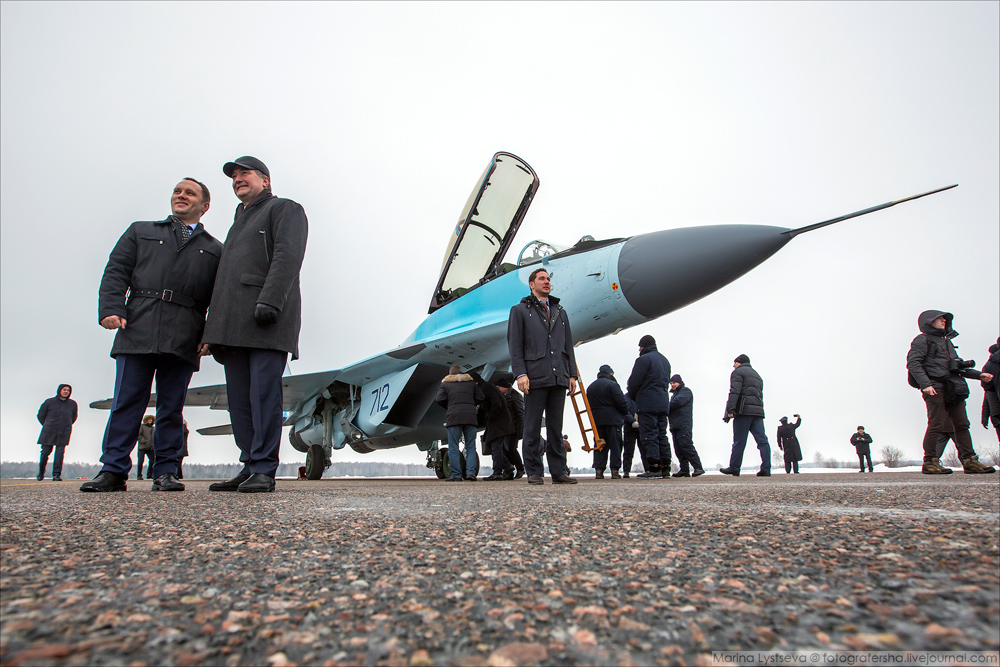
(497,447)
(653,434)
(549,401)
(861,459)
(57,462)
(133,382)
(684,448)
(628,449)
(253,387)
(141,456)
(612,436)
(510,454)
(946,418)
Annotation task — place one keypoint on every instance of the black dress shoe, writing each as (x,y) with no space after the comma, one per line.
(57,478)
(471,478)
(509,475)
(231,485)
(453,479)
(105,481)
(257,483)
(40,477)
(764,473)
(649,474)
(682,473)
(729,471)
(563,479)
(493,478)
(697,473)
(519,474)
(625,475)
(167,482)
(536,479)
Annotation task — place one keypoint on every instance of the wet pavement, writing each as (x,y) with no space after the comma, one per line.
(420,572)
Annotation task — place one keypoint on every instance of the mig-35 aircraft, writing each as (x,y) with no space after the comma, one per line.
(606,286)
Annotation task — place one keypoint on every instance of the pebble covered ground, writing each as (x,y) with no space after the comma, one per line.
(421,572)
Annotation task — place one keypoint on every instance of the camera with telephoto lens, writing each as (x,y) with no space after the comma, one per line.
(959,365)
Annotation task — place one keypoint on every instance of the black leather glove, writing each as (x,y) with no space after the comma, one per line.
(265,315)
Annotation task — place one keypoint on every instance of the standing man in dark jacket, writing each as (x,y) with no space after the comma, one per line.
(630,437)
(544,366)
(746,405)
(862,445)
(610,410)
(253,324)
(56,415)
(499,427)
(681,427)
(515,405)
(649,388)
(155,291)
(459,396)
(788,443)
(935,368)
(991,397)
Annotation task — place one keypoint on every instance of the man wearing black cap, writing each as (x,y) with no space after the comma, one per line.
(255,316)
(746,408)
(544,367)
(610,410)
(789,444)
(649,387)
(681,426)
(154,293)
(515,405)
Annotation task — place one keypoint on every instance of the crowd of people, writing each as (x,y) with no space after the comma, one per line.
(173,294)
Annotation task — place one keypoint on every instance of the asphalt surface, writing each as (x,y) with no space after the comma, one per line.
(420,572)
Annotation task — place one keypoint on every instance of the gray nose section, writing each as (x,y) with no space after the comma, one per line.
(663,271)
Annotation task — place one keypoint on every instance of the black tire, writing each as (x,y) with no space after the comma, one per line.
(442,463)
(315,462)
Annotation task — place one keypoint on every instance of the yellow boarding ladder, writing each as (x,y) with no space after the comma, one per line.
(585,410)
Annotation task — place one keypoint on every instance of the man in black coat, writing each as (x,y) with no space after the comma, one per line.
(460,396)
(156,288)
(56,415)
(649,388)
(610,410)
(862,445)
(991,389)
(253,324)
(934,367)
(544,367)
(746,408)
(515,405)
(499,427)
(788,443)
(681,427)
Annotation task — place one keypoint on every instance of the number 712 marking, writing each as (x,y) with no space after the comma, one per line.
(381,401)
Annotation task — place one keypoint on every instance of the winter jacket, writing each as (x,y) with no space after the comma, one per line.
(540,347)
(928,362)
(862,442)
(746,393)
(607,402)
(788,442)
(145,439)
(57,415)
(649,383)
(498,421)
(260,264)
(161,289)
(681,409)
(459,396)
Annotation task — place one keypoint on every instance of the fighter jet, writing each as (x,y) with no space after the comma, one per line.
(606,286)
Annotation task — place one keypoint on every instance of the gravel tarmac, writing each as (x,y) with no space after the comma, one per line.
(420,572)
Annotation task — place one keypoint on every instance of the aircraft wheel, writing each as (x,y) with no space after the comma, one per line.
(442,469)
(315,462)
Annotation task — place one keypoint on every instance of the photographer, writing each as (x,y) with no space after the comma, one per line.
(935,368)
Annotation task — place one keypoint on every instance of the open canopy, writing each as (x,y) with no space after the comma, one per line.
(486,228)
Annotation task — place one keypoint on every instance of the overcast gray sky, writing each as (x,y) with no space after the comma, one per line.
(378,118)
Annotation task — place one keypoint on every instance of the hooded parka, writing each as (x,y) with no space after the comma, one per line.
(160,289)
(57,415)
(260,263)
(928,362)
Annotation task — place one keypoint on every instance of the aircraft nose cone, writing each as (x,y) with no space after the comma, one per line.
(666,270)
